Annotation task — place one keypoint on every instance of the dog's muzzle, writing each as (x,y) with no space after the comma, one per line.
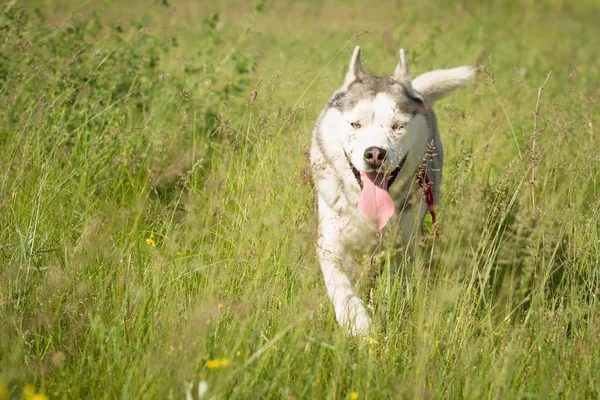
(391,178)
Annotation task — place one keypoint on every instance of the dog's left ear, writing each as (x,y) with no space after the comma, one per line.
(402,75)
(402,72)
(436,84)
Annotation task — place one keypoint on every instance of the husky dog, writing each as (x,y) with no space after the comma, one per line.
(376,161)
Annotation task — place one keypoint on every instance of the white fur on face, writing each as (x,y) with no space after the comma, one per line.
(377,118)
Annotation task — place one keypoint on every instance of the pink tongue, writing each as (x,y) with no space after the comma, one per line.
(375,202)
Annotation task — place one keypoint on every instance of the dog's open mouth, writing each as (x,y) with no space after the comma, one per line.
(379,178)
(375,202)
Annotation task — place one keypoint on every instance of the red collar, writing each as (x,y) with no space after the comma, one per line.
(425,184)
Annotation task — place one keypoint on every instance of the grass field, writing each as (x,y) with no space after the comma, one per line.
(157,216)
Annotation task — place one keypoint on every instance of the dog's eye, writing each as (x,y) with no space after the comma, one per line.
(397,127)
(355,125)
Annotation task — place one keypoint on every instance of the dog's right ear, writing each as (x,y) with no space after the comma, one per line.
(356,72)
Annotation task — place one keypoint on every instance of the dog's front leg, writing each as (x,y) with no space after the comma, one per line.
(350,311)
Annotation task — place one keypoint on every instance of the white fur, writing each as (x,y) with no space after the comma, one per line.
(376,116)
(342,227)
(437,84)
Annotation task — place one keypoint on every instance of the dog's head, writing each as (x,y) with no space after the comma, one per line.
(378,120)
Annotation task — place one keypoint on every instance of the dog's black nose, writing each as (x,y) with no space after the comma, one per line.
(374,156)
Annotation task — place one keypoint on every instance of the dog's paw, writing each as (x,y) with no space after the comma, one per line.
(354,316)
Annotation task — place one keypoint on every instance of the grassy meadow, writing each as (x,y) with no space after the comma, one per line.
(157,221)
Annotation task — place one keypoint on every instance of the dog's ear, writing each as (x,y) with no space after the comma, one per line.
(402,75)
(402,72)
(436,84)
(356,72)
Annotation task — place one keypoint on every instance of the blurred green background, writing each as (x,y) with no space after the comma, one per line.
(157,216)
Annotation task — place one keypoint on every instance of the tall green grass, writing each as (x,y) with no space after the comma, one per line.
(157,217)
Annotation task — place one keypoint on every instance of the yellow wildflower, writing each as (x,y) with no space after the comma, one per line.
(13,195)
(151,240)
(29,391)
(30,394)
(225,362)
(371,340)
(353,396)
(218,363)
(3,391)
(239,353)
(220,305)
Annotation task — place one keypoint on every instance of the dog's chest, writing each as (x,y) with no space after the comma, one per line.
(362,238)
